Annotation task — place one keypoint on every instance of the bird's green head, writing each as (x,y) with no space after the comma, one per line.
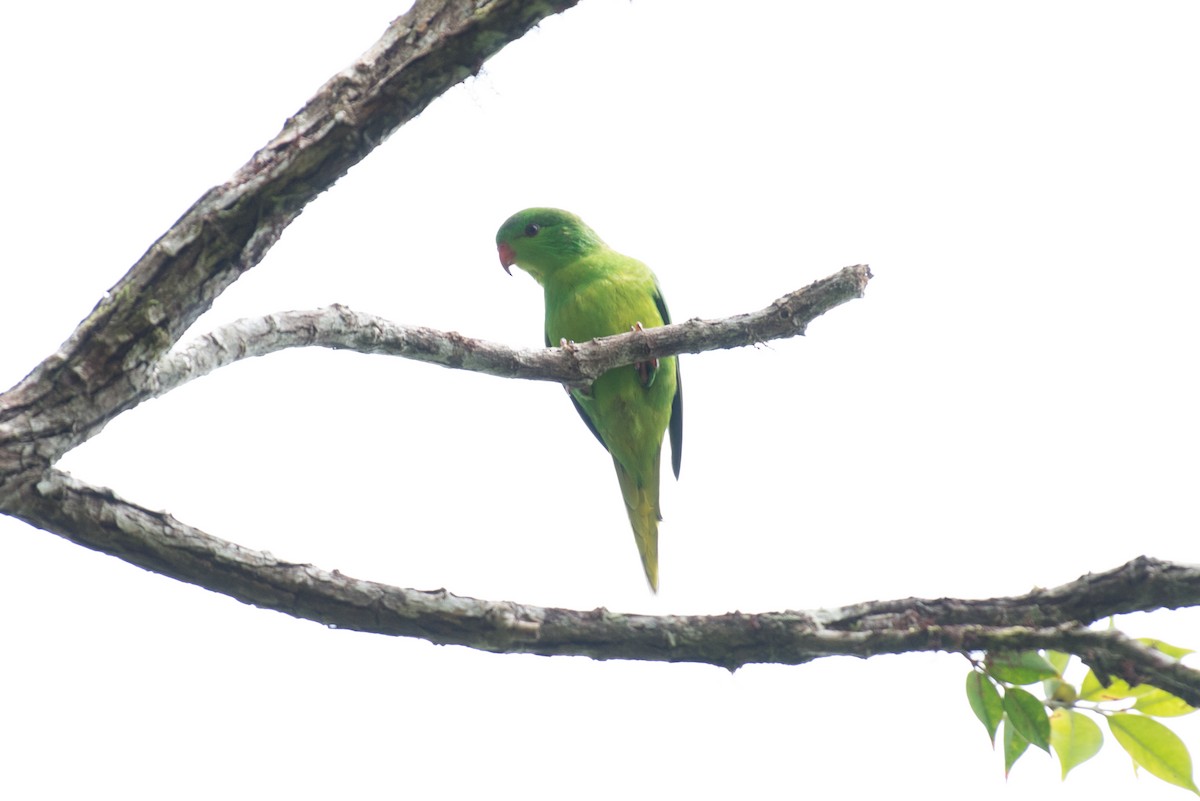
(540,241)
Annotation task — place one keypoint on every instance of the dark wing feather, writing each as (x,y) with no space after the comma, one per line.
(676,426)
(591,426)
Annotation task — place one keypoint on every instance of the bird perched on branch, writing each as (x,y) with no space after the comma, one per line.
(593,291)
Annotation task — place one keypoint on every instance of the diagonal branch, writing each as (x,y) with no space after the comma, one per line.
(117,357)
(340,327)
(98,519)
(99,371)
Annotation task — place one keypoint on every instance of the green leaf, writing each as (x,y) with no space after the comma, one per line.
(1090,688)
(1118,689)
(1170,650)
(1058,660)
(1149,700)
(1028,716)
(1075,738)
(1014,746)
(1154,747)
(1019,667)
(1059,690)
(1161,704)
(985,702)
(1054,687)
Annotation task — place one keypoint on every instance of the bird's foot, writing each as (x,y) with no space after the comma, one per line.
(645,370)
(569,346)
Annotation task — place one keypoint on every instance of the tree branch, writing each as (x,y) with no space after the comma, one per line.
(1139,585)
(102,368)
(98,519)
(117,357)
(340,327)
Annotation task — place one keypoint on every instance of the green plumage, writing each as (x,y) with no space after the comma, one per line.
(593,291)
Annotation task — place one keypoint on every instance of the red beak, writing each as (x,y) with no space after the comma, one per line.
(507,257)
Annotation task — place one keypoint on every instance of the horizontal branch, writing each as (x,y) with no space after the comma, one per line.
(98,519)
(340,327)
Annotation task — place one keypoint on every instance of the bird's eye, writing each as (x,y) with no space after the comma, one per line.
(532,229)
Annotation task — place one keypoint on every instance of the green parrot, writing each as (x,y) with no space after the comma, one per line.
(593,291)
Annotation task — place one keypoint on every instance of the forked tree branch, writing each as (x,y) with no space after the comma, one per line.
(102,369)
(98,519)
(118,357)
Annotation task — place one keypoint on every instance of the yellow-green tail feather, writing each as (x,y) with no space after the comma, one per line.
(641,503)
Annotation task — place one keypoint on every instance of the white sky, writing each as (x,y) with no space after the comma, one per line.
(1012,404)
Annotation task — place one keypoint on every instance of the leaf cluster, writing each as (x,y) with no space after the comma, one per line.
(1063,719)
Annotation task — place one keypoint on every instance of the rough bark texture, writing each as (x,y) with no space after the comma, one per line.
(104,366)
(1055,618)
(343,328)
(117,357)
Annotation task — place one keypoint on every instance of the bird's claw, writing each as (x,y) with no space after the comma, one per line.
(569,346)
(645,370)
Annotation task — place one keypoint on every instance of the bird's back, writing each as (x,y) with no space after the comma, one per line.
(600,296)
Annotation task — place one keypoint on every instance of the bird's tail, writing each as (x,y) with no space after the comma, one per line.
(641,503)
